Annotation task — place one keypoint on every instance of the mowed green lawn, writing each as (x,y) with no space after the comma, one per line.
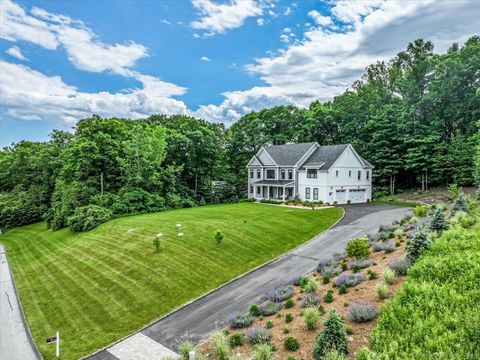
(99,286)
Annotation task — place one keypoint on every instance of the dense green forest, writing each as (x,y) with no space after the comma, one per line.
(416,118)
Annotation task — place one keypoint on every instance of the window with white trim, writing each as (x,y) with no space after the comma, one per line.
(368,175)
(336,173)
(290,175)
(258,174)
(311,174)
(283,174)
(315,193)
(251,174)
(307,193)
(349,173)
(359,175)
(270,174)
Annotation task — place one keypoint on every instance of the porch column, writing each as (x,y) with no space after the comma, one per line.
(268,191)
(283,194)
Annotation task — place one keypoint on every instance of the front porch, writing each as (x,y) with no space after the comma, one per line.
(274,189)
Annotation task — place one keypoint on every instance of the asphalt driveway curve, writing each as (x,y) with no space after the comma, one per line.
(198,319)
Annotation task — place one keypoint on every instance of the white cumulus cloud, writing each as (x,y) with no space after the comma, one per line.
(206,59)
(217,18)
(16,53)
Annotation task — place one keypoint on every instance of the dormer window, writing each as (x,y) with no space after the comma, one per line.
(311,174)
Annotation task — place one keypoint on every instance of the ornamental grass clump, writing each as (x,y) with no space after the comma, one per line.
(377,245)
(281,294)
(270,308)
(400,266)
(357,265)
(185,348)
(362,311)
(220,346)
(358,248)
(236,340)
(239,320)
(463,219)
(311,285)
(388,276)
(382,290)
(258,335)
(262,352)
(399,233)
(311,317)
(310,299)
(332,338)
(349,280)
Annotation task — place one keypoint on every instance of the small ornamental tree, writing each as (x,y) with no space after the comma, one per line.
(358,248)
(438,222)
(156,243)
(417,245)
(332,338)
(460,204)
(202,201)
(219,237)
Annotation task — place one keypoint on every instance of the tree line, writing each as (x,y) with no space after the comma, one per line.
(415,117)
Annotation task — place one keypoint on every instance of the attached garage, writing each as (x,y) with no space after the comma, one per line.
(340,198)
(357,195)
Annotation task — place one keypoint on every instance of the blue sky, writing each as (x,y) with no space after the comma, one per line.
(61,61)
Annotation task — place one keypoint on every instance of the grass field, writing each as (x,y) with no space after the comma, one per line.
(99,286)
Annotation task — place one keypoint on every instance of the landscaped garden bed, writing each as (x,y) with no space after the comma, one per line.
(355,287)
(299,203)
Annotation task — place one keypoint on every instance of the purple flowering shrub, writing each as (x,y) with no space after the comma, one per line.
(400,265)
(359,264)
(258,335)
(270,308)
(329,271)
(362,311)
(310,299)
(238,320)
(281,293)
(349,279)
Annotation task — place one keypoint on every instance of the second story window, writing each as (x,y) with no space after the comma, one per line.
(251,174)
(290,175)
(270,174)
(368,175)
(311,174)
(349,173)
(336,173)
(258,174)
(283,174)
(359,175)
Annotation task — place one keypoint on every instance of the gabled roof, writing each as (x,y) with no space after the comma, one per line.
(288,154)
(325,154)
(367,164)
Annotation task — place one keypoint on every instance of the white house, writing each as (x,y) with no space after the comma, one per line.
(311,172)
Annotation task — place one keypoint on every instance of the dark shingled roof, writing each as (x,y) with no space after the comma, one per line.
(327,154)
(288,154)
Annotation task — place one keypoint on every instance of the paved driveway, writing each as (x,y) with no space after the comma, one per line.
(14,343)
(200,318)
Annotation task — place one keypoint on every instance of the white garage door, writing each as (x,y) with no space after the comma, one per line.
(357,196)
(340,197)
